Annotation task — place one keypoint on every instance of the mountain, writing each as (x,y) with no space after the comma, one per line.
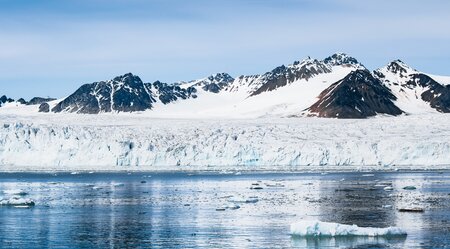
(358,95)
(126,93)
(300,70)
(338,86)
(123,93)
(281,76)
(415,91)
(4,100)
(214,83)
(38,101)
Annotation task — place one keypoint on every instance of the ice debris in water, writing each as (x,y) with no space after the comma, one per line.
(16,201)
(409,188)
(251,199)
(313,228)
(388,188)
(15,192)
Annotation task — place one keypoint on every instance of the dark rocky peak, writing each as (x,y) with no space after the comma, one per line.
(39,100)
(128,79)
(213,83)
(220,78)
(44,107)
(399,68)
(21,101)
(167,93)
(341,59)
(358,95)
(124,93)
(421,80)
(4,99)
(284,75)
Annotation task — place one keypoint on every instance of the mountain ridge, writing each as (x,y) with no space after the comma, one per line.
(292,90)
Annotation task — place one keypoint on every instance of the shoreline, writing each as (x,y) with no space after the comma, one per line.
(229,171)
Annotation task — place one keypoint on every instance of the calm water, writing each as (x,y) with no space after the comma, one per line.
(198,211)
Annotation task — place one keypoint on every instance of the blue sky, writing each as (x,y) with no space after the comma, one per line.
(51,47)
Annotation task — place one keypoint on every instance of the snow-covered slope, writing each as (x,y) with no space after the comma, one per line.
(284,91)
(416,92)
(129,141)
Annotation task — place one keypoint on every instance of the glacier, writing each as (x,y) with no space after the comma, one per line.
(109,142)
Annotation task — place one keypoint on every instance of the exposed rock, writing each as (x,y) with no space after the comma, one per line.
(214,83)
(339,59)
(39,100)
(358,95)
(126,93)
(44,107)
(168,93)
(22,101)
(409,84)
(4,99)
(281,76)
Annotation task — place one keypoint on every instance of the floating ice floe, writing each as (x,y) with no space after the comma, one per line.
(15,192)
(232,207)
(412,209)
(252,199)
(327,229)
(388,188)
(17,201)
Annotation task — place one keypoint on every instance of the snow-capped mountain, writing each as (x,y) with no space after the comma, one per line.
(338,86)
(415,91)
(214,83)
(342,59)
(299,70)
(358,95)
(126,93)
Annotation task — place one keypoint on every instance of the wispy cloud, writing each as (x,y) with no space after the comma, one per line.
(54,46)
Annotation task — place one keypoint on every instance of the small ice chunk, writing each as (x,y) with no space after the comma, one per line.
(232,207)
(15,192)
(388,188)
(313,228)
(252,199)
(16,201)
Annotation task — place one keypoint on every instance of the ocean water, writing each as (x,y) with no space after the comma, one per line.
(207,210)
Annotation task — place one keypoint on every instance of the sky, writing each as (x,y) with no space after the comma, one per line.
(51,47)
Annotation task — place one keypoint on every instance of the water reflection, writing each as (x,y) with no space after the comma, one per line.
(180,211)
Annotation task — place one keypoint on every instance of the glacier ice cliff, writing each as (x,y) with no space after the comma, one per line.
(110,143)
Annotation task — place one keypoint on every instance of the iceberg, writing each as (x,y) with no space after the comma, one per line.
(16,201)
(19,192)
(307,228)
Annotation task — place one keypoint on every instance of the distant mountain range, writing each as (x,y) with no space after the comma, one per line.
(336,87)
